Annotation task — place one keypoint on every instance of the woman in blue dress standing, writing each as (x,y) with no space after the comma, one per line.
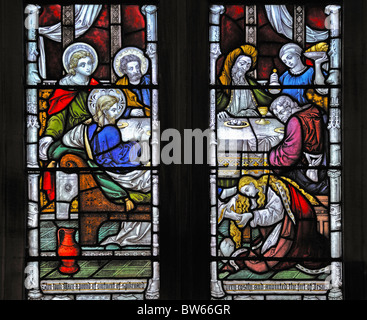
(300,74)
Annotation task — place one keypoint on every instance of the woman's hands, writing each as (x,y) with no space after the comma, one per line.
(322,60)
(244,219)
(241,218)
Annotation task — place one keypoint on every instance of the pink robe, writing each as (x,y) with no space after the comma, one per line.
(304,132)
(298,242)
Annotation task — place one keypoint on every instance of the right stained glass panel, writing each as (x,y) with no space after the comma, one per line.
(276,169)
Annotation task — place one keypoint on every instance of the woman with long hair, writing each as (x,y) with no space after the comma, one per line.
(282,224)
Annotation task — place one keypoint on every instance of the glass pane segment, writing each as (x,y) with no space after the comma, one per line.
(275,181)
(91,98)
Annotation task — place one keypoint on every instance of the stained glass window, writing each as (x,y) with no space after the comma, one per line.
(275,180)
(91,106)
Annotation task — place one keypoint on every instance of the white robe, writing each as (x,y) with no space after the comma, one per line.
(271,214)
(242,103)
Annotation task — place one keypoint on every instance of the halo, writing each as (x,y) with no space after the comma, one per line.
(79,46)
(97,93)
(127,51)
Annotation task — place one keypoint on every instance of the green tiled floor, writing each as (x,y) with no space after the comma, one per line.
(48,229)
(100,269)
(122,269)
(48,238)
(291,274)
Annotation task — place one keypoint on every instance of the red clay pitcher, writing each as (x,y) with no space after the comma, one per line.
(67,247)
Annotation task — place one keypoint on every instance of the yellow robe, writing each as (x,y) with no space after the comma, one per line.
(131,98)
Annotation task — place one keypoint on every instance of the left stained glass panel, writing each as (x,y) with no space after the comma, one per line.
(91,99)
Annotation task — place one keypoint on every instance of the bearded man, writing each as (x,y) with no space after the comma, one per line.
(240,102)
(131,65)
(303,151)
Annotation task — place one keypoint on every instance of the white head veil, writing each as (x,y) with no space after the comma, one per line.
(290,48)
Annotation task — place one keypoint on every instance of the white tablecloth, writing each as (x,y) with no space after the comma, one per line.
(249,145)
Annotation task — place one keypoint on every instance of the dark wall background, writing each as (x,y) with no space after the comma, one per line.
(183,56)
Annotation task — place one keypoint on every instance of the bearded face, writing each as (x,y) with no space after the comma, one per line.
(108,110)
(283,110)
(283,113)
(239,70)
(133,72)
(113,113)
(111,119)
(283,107)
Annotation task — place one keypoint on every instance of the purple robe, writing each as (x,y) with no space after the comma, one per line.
(304,132)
